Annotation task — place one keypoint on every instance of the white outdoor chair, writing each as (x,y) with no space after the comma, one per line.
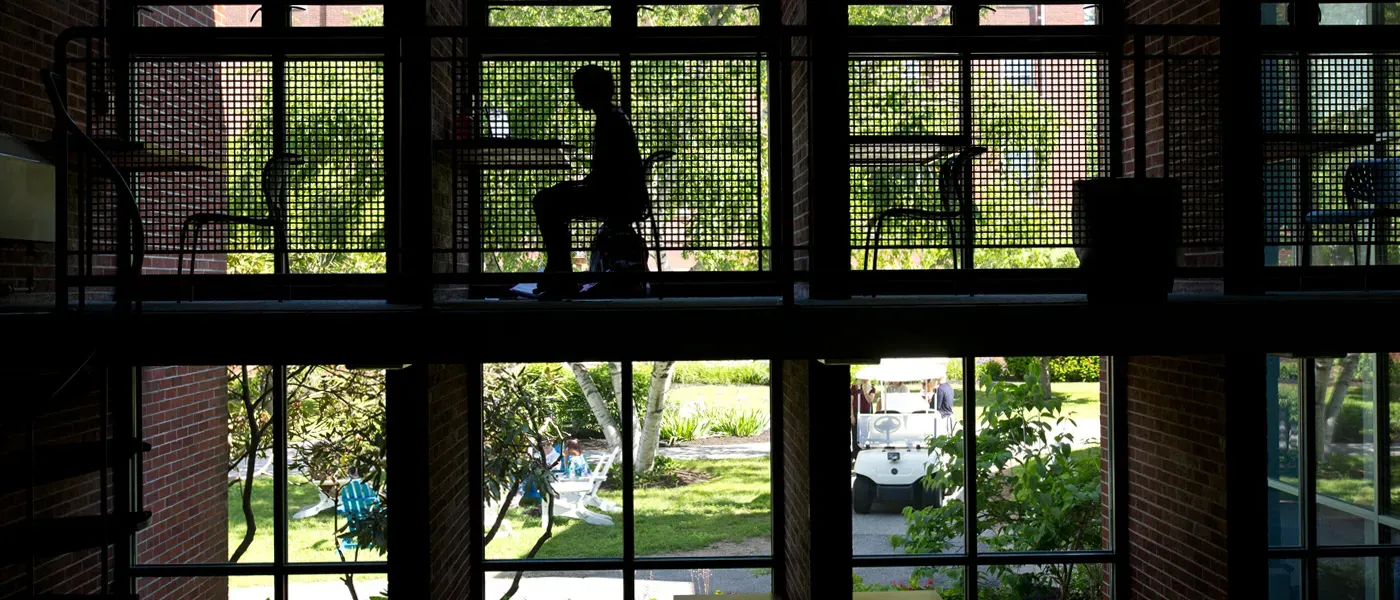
(572,497)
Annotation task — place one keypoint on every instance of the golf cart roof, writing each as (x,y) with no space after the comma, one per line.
(904,369)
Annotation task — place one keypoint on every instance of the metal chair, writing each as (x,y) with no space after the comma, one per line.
(131,234)
(276,175)
(1372,191)
(955,200)
(653,159)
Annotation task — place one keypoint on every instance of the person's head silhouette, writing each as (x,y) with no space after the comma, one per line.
(593,87)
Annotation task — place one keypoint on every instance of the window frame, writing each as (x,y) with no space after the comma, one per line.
(1309,551)
(628,562)
(971,559)
(282,568)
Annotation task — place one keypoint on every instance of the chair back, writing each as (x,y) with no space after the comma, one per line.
(648,165)
(356,498)
(955,178)
(126,200)
(600,472)
(1374,181)
(276,183)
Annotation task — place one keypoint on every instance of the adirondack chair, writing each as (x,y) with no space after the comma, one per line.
(356,499)
(574,496)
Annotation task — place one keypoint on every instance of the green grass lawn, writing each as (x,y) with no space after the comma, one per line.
(721,397)
(1081,402)
(731,507)
(309,540)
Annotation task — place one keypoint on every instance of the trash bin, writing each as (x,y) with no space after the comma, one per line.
(1126,233)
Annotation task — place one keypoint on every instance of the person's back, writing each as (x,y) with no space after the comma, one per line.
(617,162)
(943,399)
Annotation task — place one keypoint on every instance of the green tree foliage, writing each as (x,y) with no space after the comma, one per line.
(1034,494)
(712,197)
(335,121)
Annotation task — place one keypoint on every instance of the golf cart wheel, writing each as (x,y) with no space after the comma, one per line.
(925,498)
(863,495)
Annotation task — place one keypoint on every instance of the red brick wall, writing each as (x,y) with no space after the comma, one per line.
(450,475)
(795,13)
(1183,140)
(73,418)
(28,31)
(797,489)
(1177,476)
(185,419)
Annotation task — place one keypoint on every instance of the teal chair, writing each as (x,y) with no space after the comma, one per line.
(357,499)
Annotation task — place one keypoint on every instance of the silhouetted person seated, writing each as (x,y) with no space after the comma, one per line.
(614,191)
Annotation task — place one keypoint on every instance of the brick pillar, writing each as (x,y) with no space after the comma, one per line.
(797,490)
(184,414)
(68,419)
(449,475)
(1177,476)
(795,13)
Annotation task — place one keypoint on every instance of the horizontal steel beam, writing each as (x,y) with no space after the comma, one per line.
(375,332)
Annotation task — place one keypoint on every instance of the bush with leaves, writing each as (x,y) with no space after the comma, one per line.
(684,427)
(516,425)
(741,423)
(1034,494)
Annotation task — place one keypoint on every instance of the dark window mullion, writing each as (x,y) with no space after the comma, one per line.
(1307,486)
(279,479)
(971,530)
(626,410)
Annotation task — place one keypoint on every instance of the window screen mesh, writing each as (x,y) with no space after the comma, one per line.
(1043,121)
(708,112)
(204,132)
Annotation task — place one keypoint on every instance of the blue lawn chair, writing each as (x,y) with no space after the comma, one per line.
(531,491)
(356,500)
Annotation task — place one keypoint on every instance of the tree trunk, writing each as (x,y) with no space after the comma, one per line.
(1045,376)
(246,499)
(1333,406)
(598,404)
(656,405)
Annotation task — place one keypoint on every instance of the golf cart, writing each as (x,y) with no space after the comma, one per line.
(893,440)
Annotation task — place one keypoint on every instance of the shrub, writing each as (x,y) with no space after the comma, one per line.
(1349,423)
(729,372)
(1017,367)
(676,427)
(740,423)
(1062,368)
(1074,368)
(995,368)
(955,372)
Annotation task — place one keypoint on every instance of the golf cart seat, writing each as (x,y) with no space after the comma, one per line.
(887,412)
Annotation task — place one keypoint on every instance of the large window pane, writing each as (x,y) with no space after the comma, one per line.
(1044,581)
(1285,580)
(337,453)
(193,423)
(1039,451)
(1348,578)
(911,583)
(900,14)
(687,584)
(906,474)
(1283,391)
(1346,428)
(205,588)
(530,415)
(703,480)
(584,585)
(363,586)
(1392,429)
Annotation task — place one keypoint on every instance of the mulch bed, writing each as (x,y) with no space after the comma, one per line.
(722,440)
(725,440)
